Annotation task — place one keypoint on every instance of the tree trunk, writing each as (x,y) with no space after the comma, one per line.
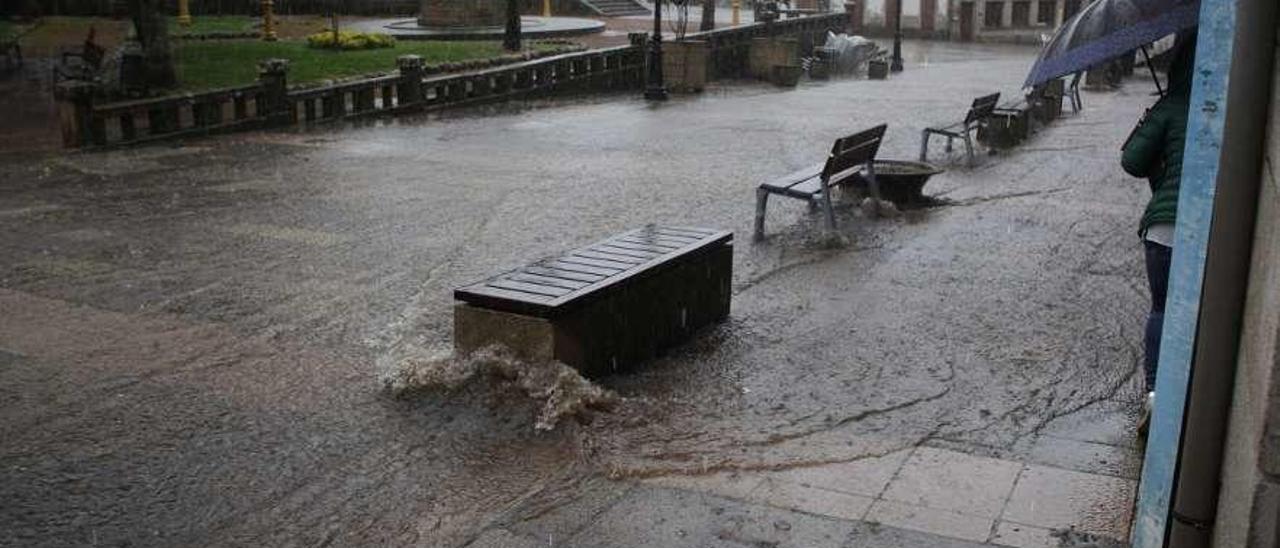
(511,38)
(152,29)
(708,15)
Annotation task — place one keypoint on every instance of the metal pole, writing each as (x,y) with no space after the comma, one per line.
(656,90)
(1152,69)
(896,64)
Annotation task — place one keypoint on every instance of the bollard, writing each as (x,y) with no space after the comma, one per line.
(75,110)
(273,77)
(409,88)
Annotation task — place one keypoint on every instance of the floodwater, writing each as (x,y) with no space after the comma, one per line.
(196,338)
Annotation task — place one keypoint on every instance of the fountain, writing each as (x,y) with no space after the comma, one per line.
(474,20)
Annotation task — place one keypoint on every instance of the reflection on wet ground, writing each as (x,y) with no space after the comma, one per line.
(195,335)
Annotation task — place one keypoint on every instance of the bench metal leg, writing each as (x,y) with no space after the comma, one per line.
(968,148)
(924,146)
(949,139)
(762,202)
(828,209)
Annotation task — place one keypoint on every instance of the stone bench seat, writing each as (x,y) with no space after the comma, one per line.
(604,307)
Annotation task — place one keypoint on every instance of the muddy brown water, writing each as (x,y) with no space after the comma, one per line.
(195,337)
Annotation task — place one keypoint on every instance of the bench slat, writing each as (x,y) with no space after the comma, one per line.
(620,260)
(526,276)
(536,289)
(564,274)
(552,286)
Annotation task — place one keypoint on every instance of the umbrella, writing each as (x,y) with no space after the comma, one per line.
(1106,29)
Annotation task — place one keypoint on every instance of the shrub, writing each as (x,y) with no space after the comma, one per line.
(350,40)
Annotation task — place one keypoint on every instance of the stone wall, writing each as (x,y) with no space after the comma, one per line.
(1249,503)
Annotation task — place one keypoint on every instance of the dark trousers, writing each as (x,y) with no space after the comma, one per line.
(1158,259)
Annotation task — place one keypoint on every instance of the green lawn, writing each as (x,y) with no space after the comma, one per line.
(209,24)
(225,63)
(7,30)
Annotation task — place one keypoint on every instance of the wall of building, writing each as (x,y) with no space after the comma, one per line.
(876,14)
(1249,503)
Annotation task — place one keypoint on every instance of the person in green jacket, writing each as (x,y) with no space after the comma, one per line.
(1154,151)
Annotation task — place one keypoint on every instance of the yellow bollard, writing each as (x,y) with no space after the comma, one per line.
(546,8)
(184,13)
(737,11)
(268,21)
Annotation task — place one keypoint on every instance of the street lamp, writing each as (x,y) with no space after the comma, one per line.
(656,90)
(896,64)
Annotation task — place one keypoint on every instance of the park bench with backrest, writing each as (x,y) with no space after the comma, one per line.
(606,306)
(90,57)
(850,156)
(978,114)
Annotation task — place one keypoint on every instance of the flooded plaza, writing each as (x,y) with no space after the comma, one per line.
(196,337)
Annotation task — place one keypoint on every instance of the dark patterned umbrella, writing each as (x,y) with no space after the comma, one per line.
(1106,29)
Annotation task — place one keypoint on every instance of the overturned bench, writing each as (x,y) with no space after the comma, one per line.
(604,307)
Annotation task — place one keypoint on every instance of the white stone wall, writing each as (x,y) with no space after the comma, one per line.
(1249,504)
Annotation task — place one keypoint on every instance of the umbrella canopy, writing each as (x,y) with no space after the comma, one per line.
(1106,29)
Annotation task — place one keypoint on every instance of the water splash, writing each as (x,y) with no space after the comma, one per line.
(557,390)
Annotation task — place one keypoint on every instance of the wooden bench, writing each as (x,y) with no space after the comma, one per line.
(978,114)
(604,307)
(849,156)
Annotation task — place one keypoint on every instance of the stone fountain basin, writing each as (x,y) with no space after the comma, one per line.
(901,181)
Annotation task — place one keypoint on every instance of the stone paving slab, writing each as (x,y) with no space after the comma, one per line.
(1023,536)
(867,477)
(669,518)
(813,500)
(1061,499)
(940,493)
(1088,457)
(949,480)
(931,520)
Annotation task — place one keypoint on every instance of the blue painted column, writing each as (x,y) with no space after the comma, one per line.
(1200,168)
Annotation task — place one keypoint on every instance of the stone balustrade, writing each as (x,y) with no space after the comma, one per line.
(269,102)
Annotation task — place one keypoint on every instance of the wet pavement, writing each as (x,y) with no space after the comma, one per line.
(195,335)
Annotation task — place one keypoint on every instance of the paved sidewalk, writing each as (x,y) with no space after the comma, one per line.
(1076,492)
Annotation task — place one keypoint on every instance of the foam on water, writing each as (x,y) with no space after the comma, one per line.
(557,390)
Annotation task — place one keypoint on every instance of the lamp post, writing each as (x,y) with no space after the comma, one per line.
(184,13)
(656,90)
(896,64)
(268,21)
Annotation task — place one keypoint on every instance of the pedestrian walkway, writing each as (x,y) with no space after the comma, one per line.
(1077,484)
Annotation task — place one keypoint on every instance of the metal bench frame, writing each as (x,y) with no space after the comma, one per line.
(1073,91)
(849,156)
(978,114)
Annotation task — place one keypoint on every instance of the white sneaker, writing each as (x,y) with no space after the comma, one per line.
(1148,406)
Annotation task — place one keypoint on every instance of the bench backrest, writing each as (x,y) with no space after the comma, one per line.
(982,108)
(853,151)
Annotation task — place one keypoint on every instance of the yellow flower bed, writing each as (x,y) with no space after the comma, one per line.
(350,40)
